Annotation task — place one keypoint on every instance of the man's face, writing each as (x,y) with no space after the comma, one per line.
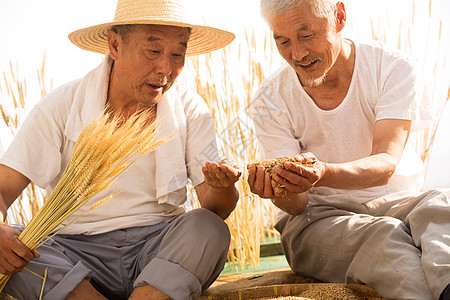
(308,43)
(148,61)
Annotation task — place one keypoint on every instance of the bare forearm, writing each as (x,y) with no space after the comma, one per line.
(3,209)
(368,172)
(293,204)
(220,201)
(12,183)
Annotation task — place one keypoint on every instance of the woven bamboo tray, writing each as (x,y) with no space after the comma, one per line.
(300,291)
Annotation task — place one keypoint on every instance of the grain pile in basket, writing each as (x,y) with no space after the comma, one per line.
(104,149)
(332,291)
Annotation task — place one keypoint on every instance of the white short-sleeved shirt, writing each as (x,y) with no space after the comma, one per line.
(384,86)
(152,189)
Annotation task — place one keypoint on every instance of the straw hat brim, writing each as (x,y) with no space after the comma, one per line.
(203,39)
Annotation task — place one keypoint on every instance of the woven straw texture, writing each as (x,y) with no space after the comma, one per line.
(203,39)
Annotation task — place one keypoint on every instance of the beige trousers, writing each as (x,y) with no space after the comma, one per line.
(398,244)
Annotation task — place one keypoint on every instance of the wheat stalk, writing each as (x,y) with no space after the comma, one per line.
(228,91)
(105,148)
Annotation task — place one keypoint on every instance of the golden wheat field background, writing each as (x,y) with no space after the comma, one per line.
(36,57)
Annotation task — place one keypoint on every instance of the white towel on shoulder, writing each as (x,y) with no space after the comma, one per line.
(171,174)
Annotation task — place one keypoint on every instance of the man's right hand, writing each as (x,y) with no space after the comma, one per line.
(14,256)
(295,177)
(262,184)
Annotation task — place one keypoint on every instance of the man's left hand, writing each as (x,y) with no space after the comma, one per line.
(221,175)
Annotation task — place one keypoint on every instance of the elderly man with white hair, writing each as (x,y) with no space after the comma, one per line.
(352,209)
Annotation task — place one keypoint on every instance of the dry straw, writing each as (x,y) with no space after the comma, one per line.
(228,89)
(105,148)
(14,111)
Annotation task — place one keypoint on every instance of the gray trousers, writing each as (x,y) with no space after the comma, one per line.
(180,258)
(398,244)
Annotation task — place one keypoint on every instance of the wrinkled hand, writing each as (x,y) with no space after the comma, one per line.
(293,178)
(297,178)
(14,256)
(221,175)
(263,185)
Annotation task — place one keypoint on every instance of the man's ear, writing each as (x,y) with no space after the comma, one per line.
(113,44)
(341,16)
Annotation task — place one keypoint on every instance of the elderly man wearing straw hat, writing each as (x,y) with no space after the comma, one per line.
(347,108)
(141,244)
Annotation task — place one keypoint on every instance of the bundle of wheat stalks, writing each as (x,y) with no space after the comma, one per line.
(104,149)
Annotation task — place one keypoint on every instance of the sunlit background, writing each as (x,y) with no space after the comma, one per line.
(29,29)
(36,56)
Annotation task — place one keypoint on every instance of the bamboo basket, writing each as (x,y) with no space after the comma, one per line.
(312,291)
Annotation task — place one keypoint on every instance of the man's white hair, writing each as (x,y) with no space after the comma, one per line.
(320,8)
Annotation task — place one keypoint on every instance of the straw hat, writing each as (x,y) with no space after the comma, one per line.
(203,39)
